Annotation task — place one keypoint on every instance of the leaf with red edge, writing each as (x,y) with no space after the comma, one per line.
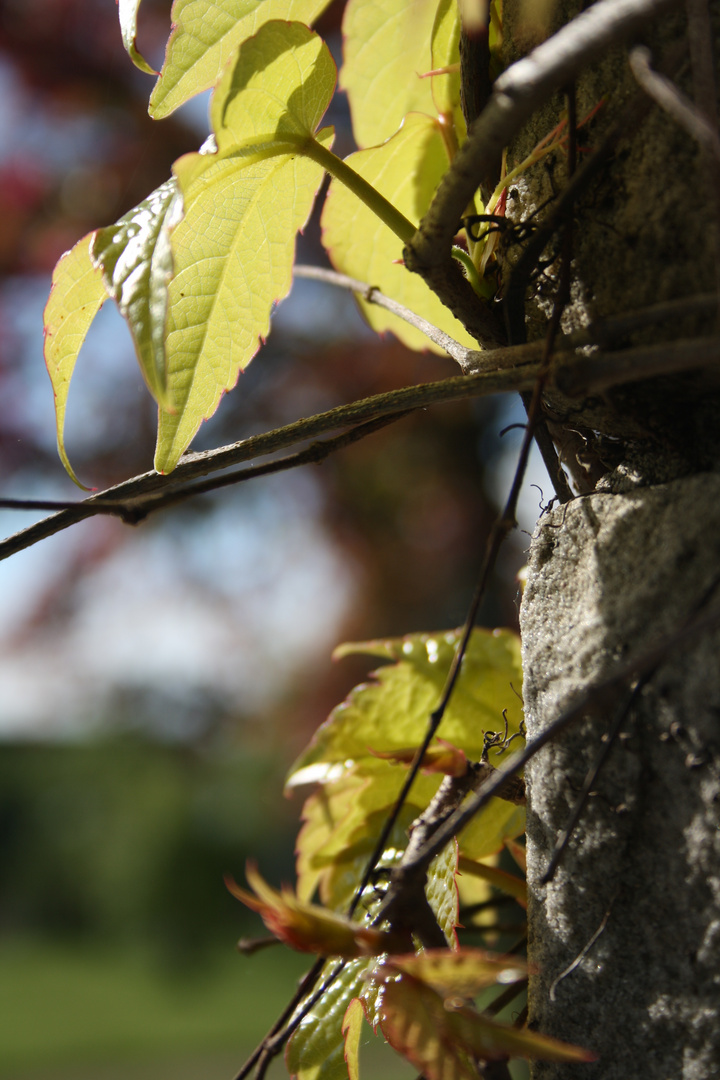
(518,853)
(308,927)
(442,757)
(441,1041)
(454,972)
(414,1021)
(76,296)
(127,11)
(351,1028)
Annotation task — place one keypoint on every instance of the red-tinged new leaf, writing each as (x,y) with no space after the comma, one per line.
(351,1028)
(308,927)
(454,972)
(493,1041)
(442,757)
(440,1040)
(414,1022)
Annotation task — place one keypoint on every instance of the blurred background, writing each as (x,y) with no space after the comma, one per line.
(157,682)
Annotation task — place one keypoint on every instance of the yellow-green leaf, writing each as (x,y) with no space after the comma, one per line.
(407,171)
(491,828)
(205,36)
(387,49)
(341,822)
(135,258)
(280,84)
(317,1049)
(351,1028)
(76,296)
(234,249)
(454,972)
(392,709)
(501,879)
(446,59)
(127,10)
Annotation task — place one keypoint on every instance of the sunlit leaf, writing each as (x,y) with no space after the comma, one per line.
(127,10)
(446,58)
(501,879)
(390,713)
(387,49)
(340,823)
(414,1021)
(407,171)
(391,710)
(308,927)
(442,892)
(205,36)
(135,258)
(76,296)
(351,1028)
(440,1040)
(491,828)
(440,757)
(234,248)
(454,972)
(316,1051)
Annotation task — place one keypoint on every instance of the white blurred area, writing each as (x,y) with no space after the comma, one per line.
(234,600)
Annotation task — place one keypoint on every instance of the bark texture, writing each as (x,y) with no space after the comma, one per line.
(609,574)
(627,935)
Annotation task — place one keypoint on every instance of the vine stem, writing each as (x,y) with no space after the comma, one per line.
(352,180)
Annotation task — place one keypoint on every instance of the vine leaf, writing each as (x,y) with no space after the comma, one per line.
(135,258)
(406,170)
(128,10)
(204,38)
(76,295)
(441,1037)
(340,823)
(500,879)
(387,49)
(455,972)
(231,267)
(317,1049)
(440,757)
(390,712)
(446,58)
(307,927)
(351,1028)
(386,715)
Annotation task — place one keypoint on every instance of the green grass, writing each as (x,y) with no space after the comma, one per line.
(72,1013)
(64,1008)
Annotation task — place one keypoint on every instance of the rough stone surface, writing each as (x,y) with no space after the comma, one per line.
(609,574)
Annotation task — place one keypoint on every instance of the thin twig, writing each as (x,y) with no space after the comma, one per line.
(501,528)
(582,954)
(573,375)
(517,94)
(305,986)
(672,100)
(598,699)
(590,779)
(464,356)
